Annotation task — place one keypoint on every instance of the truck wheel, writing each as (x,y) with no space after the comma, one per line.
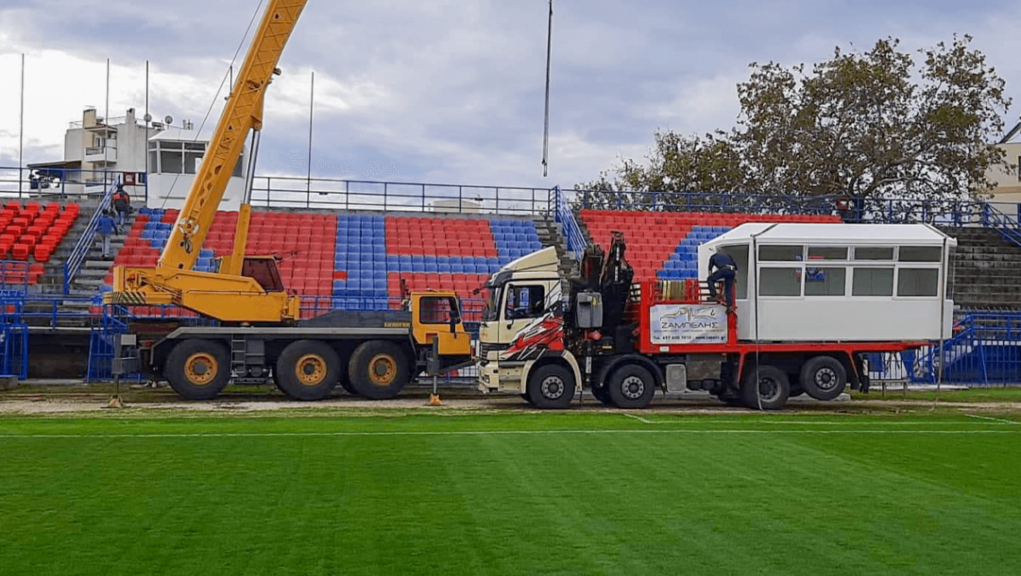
(765,386)
(824,377)
(551,386)
(198,369)
(602,394)
(631,386)
(378,370)
(308,370)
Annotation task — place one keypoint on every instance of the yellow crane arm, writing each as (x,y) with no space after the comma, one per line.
(242,114)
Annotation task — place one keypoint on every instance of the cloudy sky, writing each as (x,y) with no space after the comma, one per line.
(452,91)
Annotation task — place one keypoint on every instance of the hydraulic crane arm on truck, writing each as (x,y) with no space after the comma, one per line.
(246,289)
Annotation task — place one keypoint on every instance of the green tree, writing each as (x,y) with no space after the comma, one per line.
(865,125)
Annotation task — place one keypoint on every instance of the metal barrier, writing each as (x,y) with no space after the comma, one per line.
(334,194)
(1007,227)
(564,216)
(985,351)
(13,335)
(81,249)
(60,184)
(876,210)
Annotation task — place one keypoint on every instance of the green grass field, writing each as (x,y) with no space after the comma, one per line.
(462,492)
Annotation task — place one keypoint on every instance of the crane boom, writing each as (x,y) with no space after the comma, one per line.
(246,289)
(242,114)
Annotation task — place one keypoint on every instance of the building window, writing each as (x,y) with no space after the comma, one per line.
(920,253)
(780,282)
(872,282)
(873,253)
(917,282)
(825,281)
(768,253)
(525,302)
(827,253)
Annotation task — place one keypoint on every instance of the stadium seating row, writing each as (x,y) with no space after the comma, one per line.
(351,261)
(33,232)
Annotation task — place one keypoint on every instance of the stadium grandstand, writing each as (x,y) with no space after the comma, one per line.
(340,250)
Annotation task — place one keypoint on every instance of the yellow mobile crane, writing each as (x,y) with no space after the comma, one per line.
(259,334)
(244,289)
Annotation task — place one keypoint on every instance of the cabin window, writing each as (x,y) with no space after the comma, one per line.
(921,253)
(917,282)
(825,281)
(774,253)
(780,282)
(873,253)
(438,310)
(872,282)
(525,302)
(827,253)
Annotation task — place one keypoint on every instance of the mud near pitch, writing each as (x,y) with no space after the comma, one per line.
(94,399)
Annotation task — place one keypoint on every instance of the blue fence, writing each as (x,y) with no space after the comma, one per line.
(13,335)
(81,249)
(985,351)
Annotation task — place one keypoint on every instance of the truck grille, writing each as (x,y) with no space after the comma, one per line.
(485,349)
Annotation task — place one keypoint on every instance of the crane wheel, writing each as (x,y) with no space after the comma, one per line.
(631,386)
(378,370)
(308,370)
(198,369)
(551,386)
(766,387)
(823,377)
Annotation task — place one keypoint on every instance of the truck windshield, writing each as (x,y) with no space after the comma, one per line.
(492,310)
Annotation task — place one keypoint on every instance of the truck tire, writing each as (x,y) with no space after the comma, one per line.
(551,387)
(765,386)
(602,394)
(198,369)
(631,386)
(823,378)
(308,370)
(378,370)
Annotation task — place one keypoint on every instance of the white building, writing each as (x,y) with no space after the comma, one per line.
(156,162)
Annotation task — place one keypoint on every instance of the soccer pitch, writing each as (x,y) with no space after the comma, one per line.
(511,493)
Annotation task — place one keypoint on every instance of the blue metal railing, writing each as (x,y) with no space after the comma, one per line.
(81,249)
(564,216)
(984,351)
(1007,227)
(13,334)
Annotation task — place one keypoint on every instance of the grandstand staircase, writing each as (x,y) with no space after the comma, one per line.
(986,270)
(550,234)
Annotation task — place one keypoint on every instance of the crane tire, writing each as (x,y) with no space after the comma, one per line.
(198,369)
(378,370)
(551,387)
(765,387)
(308,370)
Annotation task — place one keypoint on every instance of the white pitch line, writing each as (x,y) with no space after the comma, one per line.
(498,433)
(639,418)
(1000,420)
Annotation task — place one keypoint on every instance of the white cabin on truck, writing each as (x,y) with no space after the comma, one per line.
(839,282)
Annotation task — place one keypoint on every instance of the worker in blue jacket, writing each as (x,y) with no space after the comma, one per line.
(725,269)
(106,227)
